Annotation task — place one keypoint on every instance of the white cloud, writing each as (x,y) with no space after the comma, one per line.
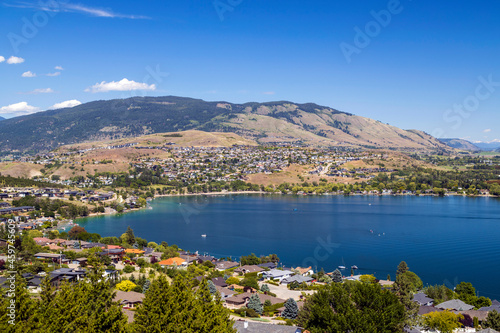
(59,68)
(487,130)
(74,8)
(18,109)
(54,74)
(2,59)
(100,12)
(15,60)
(269,93)
(66,104)
(122,85)
(40,91)
(28,74)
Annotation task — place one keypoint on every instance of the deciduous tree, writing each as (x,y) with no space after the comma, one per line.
(445,321)
(126,285)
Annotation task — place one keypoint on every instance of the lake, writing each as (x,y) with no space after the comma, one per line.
(444,240)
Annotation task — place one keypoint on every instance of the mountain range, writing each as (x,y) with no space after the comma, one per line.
(461,144)
(488,146)
(266,123)
(472,146)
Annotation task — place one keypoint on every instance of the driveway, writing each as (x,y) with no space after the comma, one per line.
(283,292)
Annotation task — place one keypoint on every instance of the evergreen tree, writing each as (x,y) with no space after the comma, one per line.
(146,286)
(255,304)
(86,306)
(152,315)
(211,287)
(212,316)
(291,309)
(336,276)
(141,281)
(24,310)
(176,308)
(130,235)
(492,320)
(402,268)
(265,288)
(352,307)
(403,290)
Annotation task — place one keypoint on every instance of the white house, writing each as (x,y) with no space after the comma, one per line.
(276,274)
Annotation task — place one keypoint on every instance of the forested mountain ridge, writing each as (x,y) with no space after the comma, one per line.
(272,122)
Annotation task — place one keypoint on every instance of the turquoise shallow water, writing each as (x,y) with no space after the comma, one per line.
(444,240)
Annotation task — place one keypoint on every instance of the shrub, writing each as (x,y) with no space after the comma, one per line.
(232,280)
(246,312)
(126,285)
(128,269)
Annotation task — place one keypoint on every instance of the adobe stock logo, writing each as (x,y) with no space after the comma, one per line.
(223,6)
(363,37)
(456,115)
(31,26)
(322,252)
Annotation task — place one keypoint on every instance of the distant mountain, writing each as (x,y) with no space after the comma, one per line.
(488,146)
(273,122)
(460,144)
(1,118)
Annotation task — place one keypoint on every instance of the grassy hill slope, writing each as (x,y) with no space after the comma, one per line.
(263,122)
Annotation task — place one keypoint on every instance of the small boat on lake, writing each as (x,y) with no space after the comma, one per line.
(354,267)
(204,236)
(341,267)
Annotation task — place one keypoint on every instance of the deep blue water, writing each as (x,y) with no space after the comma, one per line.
(443,240)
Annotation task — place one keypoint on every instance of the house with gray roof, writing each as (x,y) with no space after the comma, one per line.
(298,279)
(223,265)
(422,299)
(268,265)
(128,299)
(224,292)
(277,274)
(248,269)
(455,304)
(495,305)
(424,309)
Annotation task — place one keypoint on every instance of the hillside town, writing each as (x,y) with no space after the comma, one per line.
(260,293)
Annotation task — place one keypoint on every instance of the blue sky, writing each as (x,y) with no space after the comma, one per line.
(414,64)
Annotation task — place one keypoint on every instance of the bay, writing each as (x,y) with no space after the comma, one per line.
(444,240)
